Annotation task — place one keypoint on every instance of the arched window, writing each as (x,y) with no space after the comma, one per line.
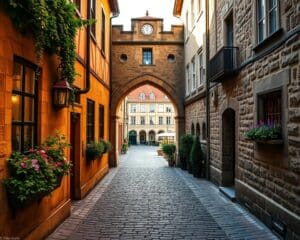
(198,129)
(142,96)
(193,129)
(204,131)
(152,96)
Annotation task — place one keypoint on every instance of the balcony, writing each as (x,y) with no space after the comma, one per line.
(224,64)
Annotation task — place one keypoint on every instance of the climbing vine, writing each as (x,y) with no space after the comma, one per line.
(53,24)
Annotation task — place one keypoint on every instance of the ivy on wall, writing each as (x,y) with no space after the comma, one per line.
(53,24)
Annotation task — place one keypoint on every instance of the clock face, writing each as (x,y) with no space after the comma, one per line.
(147,29)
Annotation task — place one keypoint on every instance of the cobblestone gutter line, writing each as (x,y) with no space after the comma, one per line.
(232,218)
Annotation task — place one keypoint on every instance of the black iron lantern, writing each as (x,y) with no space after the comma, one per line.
(61,94)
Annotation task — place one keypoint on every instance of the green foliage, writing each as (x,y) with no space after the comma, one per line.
(169,150)
(196,157)
(37,173)
(53,24)
(94,150)
(107,146)
(264,132)
(186,142)
(124,147)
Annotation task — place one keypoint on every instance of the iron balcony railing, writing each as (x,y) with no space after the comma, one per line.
(224,64)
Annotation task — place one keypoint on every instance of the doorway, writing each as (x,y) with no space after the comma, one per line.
(75,155)
(142,137)
(132,137)
(228,148)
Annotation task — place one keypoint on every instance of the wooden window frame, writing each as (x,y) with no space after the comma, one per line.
(90,124)
(101,121)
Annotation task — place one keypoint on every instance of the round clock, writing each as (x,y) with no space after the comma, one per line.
(147,29)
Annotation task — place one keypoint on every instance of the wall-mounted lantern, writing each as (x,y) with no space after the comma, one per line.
(61,94)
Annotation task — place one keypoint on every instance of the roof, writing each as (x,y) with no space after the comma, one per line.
(147,18)
(114,7)
(147,89)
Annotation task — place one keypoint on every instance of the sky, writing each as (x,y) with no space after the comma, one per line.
(137,8)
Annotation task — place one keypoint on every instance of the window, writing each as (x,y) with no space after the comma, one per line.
(142,120)
(101,121)
(147,56)
(77,4)
(160,120)
(143,108)
(103,31)
(152,96)
(267,18)
(192,12)
(193,74)
(187,90)
(186,24)
(93,16)
(142,96)
(133,108)
(201,70)
(152,108)
(198,130)
(168,120)
(229,30)
(132,120)
(269,108)
(193,129)
(160,108)
(171,58)
(152,120)
(24,106)
(90,123)
(168,109)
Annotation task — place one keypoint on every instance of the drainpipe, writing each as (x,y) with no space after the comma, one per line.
(88,50)
(207,90)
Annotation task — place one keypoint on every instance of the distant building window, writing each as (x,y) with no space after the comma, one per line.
(147,56)
(152,122)
(160,108)
(193,74)
(168,109)
(132,120)
(142,120)
(90,123)
(24,106)
(152,108)
(267,18)
(101,121)
(203,131)
(201,69)
(187,80)
(103,31)
(133,108)
(93,16)
(269,108)
(168,120)
(142,96)
(123,57)
(152,96)
(160,120)
(171,58)
(143,108)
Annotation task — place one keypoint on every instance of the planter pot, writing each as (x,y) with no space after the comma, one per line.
(159,152)
(271,141)
(58,181)
(171,163)
(16,203)
(91,155)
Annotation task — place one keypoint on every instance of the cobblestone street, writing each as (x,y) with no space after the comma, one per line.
(145,199)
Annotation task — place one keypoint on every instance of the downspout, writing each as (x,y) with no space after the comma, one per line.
(207,89)
(88,50)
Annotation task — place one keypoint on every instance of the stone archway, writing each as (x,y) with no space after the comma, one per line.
(119,92)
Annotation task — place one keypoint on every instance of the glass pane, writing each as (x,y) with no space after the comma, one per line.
(28,137)
(261,31)
(17,77)
(272,3)
(261,9)
(29,109)
(273,21)
(16,138)
(29,80)
(16,101)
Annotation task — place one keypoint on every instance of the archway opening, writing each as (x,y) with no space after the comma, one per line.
(228,147)
(152,140)
(132,135)
(142,137)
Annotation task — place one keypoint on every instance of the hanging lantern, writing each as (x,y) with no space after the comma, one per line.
(61,94)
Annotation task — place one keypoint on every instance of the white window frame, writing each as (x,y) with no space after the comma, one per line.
(187,80)
(143,108)
(133,108)
(200,69)
(160,108)
(193,74)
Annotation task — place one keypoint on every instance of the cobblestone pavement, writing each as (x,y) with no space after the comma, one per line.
(146,199)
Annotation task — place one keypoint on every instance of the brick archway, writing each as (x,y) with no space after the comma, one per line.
(119,92)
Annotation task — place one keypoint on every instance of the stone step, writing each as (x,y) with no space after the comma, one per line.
(229,192)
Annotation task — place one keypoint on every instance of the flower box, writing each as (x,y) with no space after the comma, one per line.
(270,141)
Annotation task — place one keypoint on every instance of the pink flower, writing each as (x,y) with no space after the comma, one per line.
(36,167)
(23,165)
(34,161)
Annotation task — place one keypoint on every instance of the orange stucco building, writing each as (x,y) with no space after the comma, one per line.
(17,63)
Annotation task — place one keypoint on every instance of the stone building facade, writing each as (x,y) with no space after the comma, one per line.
(149,112)
(254,78)
(147,54)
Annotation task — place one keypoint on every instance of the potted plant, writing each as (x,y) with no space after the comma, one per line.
(94,150)
(35,174)
(186,142)
(107,146)
(124,148)
(196,157)
(169,150)
(265,133)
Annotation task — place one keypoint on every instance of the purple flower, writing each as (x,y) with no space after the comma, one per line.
(34,161)
(36,167)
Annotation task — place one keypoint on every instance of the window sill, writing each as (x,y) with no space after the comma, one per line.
(269,142)
(268,41)
(147,65)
